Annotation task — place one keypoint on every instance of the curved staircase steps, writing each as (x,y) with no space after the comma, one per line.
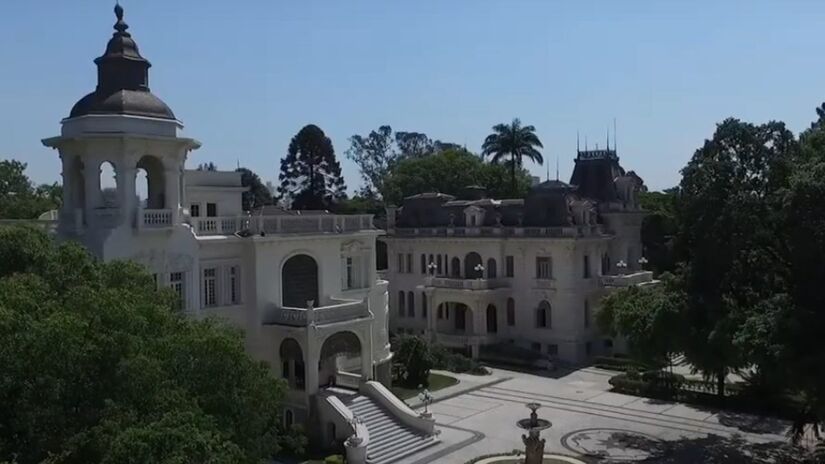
(390,440)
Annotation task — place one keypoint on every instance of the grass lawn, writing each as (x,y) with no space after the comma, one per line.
(437,382)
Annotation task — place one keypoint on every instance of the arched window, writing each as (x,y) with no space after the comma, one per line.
(455,267)
(423,263)
(423,305)
(299,281)
(544,315)
(605,264)
(491,268)
(511,312)
(108,186)
(586,313)
(492,319)
(472,264)
(438,265)
(151,191)
(411,304)
(402,304)
(289,418)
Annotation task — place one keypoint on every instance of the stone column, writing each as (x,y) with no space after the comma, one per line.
(313,352)
(172,192)
(91,179)
(69,184)
(366,356)
(125,173)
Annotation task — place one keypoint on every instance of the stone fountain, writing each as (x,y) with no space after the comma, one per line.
(533,443)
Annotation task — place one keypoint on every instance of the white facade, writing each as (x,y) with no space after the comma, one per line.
(474,283)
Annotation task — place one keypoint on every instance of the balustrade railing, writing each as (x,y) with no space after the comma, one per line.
(627,280)
(465,284)
(155,218)
(502,231)
(301,317)
(282,224)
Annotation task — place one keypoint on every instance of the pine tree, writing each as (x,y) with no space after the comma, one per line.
(310,175)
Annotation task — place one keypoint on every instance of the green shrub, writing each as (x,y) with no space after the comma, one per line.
(655,384)
(447,360)
(615,363)
(413,361)
(334,459)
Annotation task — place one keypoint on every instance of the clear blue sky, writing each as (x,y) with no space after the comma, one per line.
(245,76)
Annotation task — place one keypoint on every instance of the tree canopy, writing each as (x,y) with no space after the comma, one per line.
(749,244)
(513,142)
(450,172)
(19,198)
(258,193)
(310,175)
(99,368)
(377,153)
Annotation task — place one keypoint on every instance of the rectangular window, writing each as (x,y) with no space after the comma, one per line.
(400,263)
(195,210)
(176,282)
(211,209)
(588,348)
(586,269)
(423,264)
(536,346)
(350,274)
(438,265)
(411,304)
(409,263)
(234,285)
(510,267)
(553,349)
(155,280)
(209,287)
(423,305)
(544,267)
(586,314)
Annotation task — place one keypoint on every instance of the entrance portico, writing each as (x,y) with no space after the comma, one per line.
(465,311)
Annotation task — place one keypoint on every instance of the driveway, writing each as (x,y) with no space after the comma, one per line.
(590,421)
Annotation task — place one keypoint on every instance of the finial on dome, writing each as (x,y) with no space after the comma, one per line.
(120,25)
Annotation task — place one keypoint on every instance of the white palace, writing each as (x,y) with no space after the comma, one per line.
(302,286)
(472,272)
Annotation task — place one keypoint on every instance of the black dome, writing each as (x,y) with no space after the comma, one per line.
(122,80)
(124,101)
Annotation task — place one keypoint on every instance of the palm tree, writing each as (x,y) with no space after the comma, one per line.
(514,142)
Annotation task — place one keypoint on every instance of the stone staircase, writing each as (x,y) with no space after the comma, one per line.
(390,440)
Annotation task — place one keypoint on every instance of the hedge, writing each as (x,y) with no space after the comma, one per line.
(616,363)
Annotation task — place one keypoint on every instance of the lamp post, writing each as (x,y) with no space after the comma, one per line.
(431,268)
(642,262)
(480,270)
(426,399)
(622,266)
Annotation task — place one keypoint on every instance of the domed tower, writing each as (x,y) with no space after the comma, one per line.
(121,122)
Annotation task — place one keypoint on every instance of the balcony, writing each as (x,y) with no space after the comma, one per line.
(628,280)
(336,311)
(465,284)
(282,224)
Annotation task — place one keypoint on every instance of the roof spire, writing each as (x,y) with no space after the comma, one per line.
(577,142)
(120,25)
(557,166)
(608,138)
(614,137)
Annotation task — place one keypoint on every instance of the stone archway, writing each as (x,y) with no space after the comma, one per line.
(152,178)
(471,261)
(340,352)
(299,281)
(292,364)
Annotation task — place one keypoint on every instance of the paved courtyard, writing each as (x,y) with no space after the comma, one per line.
(590,421)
